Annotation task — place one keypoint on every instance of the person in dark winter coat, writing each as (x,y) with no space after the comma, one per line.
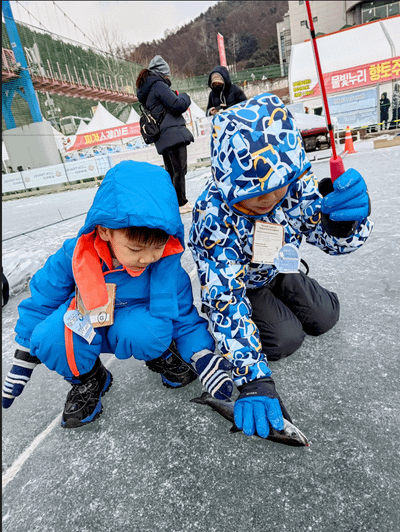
(117,287)
(395,123)
(154,92)
(384,108)
(223,93)
(5,289)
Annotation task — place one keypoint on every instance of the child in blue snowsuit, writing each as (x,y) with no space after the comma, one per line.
(125,262)
(248,223)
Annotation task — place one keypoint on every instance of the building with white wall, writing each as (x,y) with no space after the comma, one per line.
(329,16)
(359,64)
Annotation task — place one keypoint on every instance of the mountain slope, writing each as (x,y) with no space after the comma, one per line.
(248,28)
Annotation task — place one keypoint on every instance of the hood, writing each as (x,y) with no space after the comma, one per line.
(223,71)
(255,148)
(159,65)
(136,194)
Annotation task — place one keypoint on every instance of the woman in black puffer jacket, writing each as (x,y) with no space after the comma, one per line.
(154,92)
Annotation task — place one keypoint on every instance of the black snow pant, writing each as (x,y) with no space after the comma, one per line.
(175,162)
(290,307)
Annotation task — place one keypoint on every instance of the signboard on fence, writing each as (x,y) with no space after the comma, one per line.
(355,109)
(49,175)
(56,174)
(12,182)
(104,136)
(77,170)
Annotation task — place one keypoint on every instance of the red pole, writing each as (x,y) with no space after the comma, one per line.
(221,50)
(336,163)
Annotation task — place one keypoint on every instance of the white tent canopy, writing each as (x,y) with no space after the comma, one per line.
(102,119)
(196,111)
(133,117)
(82,128)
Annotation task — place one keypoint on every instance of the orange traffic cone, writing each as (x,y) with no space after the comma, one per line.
(348,141)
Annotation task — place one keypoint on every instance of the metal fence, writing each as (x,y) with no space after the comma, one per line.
(252,74)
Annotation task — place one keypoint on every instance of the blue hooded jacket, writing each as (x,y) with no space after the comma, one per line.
(132,194)
(256,148)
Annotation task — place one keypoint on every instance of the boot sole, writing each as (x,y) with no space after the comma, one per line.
(173,385)
(73,423)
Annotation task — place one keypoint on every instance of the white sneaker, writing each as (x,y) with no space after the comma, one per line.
(188,207)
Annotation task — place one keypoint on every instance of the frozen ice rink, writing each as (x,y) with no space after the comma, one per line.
(156,462)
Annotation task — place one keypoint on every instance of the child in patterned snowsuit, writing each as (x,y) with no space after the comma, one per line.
(262,183)
(131,242)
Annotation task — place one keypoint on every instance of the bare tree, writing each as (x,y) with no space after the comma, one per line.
(233,43)
(204,40)
(107,37)
(113,48)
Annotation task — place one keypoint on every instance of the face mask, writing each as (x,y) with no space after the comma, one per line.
(217,89)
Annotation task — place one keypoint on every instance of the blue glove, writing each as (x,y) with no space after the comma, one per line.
(258,407)
(212,371)
(349,200)
(18,376)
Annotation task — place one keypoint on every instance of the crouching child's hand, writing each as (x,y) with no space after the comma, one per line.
(18,376)
(212,371)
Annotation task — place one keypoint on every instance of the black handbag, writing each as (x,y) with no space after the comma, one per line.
(150,125)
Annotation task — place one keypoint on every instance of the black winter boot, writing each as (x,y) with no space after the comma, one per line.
(175,372)
(83,404)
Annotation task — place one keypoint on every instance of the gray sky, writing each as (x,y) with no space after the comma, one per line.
(136,21)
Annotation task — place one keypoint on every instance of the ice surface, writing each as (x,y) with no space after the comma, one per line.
(156,462)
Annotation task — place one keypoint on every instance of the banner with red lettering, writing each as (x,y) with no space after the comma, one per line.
(87,140)
(221,50)
(351,78)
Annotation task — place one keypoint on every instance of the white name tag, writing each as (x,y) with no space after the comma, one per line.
(79,324)
(267,241)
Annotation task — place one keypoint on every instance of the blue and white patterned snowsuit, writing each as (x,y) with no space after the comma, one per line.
(255,149)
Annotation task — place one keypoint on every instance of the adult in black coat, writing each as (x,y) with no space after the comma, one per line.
(154,92)
(223,93)
(384,108)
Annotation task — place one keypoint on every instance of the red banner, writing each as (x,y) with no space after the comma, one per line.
(105,135)
(221,50)
(351,78)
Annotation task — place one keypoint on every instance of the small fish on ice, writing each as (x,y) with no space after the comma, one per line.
(290,435)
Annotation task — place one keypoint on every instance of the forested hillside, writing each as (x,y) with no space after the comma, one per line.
(63,57)
(248,28)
